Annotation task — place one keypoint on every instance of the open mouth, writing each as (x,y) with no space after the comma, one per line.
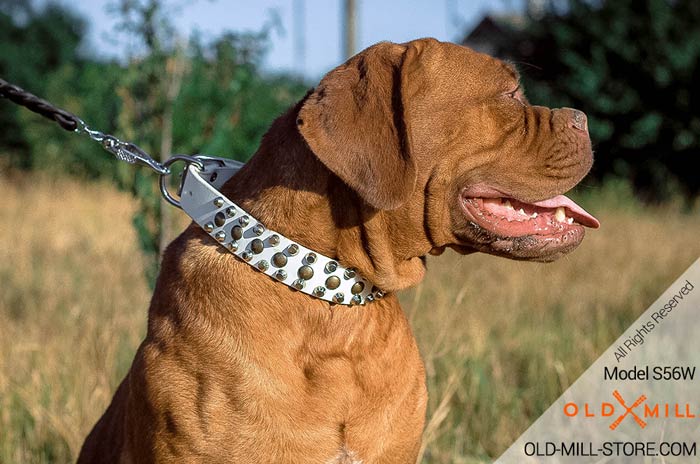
(508,217)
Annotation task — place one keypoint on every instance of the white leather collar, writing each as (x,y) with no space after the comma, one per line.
(266,250)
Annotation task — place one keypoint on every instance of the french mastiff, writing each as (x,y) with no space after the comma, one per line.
(402,151)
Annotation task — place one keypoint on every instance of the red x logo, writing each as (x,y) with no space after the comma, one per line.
(628,410)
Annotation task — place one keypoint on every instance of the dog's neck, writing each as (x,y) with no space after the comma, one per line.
(286,187)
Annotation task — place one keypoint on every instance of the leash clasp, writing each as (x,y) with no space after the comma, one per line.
(123,151)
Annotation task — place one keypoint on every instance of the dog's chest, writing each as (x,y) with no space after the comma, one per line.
(346,456)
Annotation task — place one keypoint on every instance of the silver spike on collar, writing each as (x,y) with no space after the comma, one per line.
(266,250)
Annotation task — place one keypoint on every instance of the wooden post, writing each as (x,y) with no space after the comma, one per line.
(349,28)
(174,70)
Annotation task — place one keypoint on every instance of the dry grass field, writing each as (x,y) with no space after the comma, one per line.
(501,339)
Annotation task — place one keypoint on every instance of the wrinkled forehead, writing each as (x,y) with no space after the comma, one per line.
(487,73)
(496,71)
(509,70)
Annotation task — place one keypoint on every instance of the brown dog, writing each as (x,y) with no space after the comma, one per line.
(404,150)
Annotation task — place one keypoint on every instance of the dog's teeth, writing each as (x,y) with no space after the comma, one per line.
(570,220)
(521,211)
(533,215)
(508,205)
(560,214)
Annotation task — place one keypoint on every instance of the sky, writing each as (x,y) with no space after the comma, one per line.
(393,20)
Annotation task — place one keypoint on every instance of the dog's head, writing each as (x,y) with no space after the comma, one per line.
(444,135)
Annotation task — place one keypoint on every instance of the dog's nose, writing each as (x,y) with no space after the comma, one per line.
(578,120)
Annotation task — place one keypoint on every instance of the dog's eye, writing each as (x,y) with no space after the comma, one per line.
(517,94)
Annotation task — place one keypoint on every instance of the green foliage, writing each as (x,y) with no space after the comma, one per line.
(22,61)
(213,95)
(633,67)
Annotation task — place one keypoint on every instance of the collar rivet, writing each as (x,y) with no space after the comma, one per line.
(331,266)
(333,282)
(257,246)
(305,272)
(244,220)
(280,275)
(263,265)
(274,240)
(357,288)
(258,229)
(310,258)
(247,255)
(230,211)
(236,232)
(279,259)
(219,219)
(319,291)
(338,297)
(349,273)
(218,202)
(232,245)
(293,249)
(298,284)
(208,227)
(220,236)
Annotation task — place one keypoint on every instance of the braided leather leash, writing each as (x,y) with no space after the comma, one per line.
(18,95)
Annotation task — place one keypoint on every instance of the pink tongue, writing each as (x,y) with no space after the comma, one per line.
(580,215)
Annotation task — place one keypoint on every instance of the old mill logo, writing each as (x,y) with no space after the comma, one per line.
(640,411)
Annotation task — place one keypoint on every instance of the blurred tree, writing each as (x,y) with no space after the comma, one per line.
(196,97)
(22,27)
(222,106)
(633,66)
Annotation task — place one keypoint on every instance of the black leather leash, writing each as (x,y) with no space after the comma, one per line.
(18,95)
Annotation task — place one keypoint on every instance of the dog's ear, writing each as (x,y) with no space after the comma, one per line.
(354,122)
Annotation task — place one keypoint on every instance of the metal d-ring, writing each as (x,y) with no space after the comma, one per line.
(163,188)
